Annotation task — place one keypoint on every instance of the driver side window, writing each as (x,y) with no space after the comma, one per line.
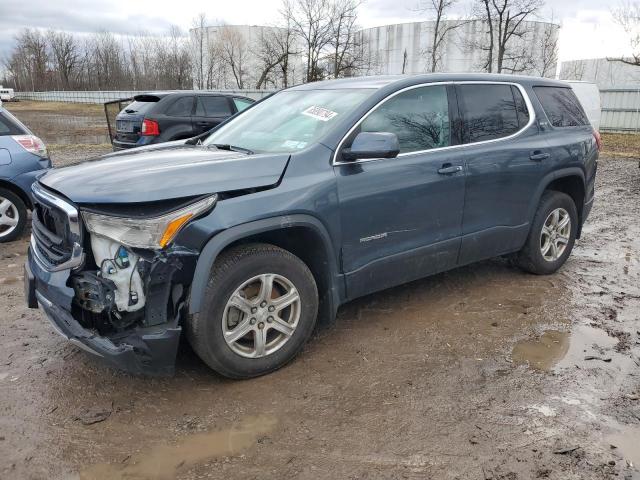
(419,117)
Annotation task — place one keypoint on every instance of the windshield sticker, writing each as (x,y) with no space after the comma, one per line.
(319,113)
(294,144)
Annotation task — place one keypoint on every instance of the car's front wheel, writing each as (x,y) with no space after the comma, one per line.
(13,216)
(552,235)
(261,308)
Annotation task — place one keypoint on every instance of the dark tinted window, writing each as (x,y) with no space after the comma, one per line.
(489,111)
(182,107)
(139,107)
(561,106)
(521,107)
(419,117)
(213,107)
(8,127)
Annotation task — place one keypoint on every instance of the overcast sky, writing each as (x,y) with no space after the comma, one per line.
(588,30)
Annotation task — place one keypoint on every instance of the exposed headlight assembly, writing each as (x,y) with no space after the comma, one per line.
(152,232)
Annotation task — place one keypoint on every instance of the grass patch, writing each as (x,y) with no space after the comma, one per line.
(65,108)
(620,145)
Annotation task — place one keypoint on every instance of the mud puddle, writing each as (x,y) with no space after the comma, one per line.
(164,461)
(554,350)
(627,443)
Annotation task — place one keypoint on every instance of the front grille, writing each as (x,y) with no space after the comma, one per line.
(56,236)
(50,228)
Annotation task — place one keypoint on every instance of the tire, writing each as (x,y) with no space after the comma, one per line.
(13,216)
(531,257)
(252,265)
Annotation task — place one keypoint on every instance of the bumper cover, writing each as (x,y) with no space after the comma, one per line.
(149,351)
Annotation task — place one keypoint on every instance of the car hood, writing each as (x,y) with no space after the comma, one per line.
(171,172)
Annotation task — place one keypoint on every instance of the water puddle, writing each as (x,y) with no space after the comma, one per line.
(555,349)
(542,353)
(163,461)
(627,444)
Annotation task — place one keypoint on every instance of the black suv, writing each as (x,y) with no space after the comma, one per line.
(312,197)
(164,116)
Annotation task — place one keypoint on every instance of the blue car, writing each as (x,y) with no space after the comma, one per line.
(23,158)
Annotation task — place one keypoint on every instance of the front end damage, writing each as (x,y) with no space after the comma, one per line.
(120,303)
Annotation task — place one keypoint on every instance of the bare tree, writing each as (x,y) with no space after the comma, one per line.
(65,55)
(234,51)
(343,40)
(199,40)
(505,22)
(627,15)
(439,9)
(311,20)
(548,56)
(274,48)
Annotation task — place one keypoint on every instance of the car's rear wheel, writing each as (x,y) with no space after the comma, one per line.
(552,235)
(13,215)
(261,308)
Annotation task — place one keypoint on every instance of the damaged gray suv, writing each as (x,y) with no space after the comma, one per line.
(244,237)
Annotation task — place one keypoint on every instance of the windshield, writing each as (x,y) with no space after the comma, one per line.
(288,121)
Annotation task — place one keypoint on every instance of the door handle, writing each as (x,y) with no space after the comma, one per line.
(448,169)
(538,156)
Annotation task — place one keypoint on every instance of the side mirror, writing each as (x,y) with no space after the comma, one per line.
(372,145)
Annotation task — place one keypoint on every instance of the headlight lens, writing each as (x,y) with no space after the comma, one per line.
(153,233)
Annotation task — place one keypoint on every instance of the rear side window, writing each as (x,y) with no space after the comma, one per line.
(182,107)
(8,127)
(241,103)
(489,111)
(419,117)
(561,106)
(213,107)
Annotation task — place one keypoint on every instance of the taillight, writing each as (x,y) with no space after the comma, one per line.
(150,128)
(31,144)
(596,135)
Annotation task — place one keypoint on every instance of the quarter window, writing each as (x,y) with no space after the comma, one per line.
(489,111)
(241,103)
(419,117)
(213,107)
(181,107)
(561,106)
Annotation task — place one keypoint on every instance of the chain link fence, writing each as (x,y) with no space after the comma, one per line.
(110,95)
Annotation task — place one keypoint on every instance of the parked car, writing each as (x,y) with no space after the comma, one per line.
(164,116)
(23,157)
(317,195)
(7,94)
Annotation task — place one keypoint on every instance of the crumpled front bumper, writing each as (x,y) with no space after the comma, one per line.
(148,351)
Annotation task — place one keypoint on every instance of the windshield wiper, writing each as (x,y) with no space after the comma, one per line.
(232,148)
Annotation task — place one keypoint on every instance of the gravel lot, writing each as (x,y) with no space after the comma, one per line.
(483,372)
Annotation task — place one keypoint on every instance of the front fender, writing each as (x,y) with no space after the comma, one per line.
(217,243)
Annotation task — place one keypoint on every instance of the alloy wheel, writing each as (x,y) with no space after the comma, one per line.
(261,315)
(555,234)
(9,217)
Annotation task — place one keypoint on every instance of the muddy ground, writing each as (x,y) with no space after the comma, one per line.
(482,373)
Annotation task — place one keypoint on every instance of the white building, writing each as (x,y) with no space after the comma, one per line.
(405,47)
(601,71)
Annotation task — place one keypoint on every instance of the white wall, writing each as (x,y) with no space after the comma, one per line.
(389,43)
(605,73)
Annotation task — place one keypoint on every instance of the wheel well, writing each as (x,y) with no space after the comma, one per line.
(574,187)
(306,244)
(18,191)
